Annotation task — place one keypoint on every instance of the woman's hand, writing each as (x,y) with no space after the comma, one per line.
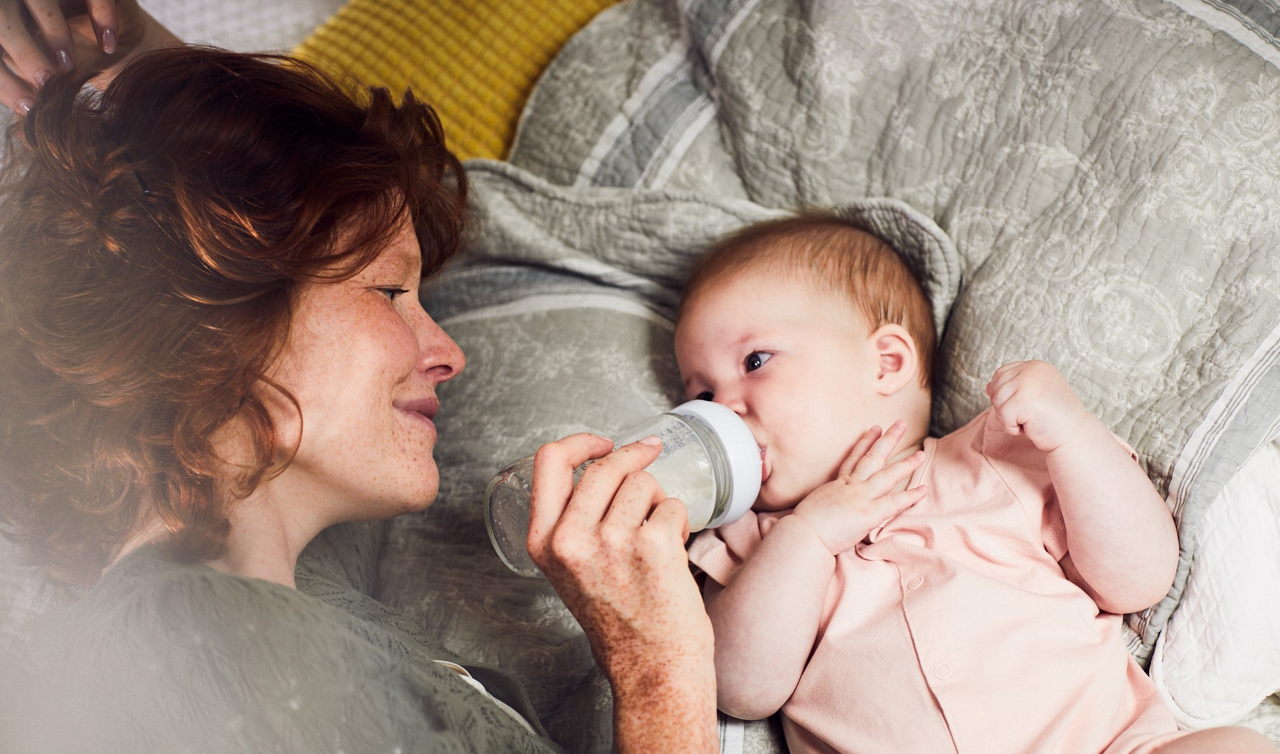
(41,37)
(614,550)
(861,497)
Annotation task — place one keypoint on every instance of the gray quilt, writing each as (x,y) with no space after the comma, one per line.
(1105,170)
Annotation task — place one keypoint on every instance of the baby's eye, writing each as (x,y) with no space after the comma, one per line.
(392,293)
(706,395)
(755,360)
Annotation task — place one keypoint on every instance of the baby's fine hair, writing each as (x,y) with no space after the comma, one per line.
(832,254)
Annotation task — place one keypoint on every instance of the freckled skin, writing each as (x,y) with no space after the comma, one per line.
(352,356)
(362,360)
(614,549)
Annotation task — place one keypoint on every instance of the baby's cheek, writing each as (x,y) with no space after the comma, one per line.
(775,496)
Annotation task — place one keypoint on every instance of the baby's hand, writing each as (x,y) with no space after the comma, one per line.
(861,497)
(1033,397)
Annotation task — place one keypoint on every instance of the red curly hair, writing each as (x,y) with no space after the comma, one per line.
(152,240)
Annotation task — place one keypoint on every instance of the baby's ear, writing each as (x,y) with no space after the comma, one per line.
(899,363)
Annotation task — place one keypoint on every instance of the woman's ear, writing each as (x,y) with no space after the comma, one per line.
(899,363)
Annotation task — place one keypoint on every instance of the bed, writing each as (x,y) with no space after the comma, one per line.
(1103,174)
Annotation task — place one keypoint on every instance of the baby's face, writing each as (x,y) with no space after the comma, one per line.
(795,363)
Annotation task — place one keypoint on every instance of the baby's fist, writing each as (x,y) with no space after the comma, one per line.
(1033,397)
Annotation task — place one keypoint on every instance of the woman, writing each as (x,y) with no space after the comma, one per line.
(213,350)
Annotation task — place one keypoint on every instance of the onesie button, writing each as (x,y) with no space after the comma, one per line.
(915,583)
(943,671)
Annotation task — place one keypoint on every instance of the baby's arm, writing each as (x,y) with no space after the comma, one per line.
(766,620)
(1121,541)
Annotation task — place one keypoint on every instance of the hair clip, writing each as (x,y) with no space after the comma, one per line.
(146,190)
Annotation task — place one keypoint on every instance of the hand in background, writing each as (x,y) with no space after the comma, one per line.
(1034,398)
(43,37)
(613,548)
(861,497)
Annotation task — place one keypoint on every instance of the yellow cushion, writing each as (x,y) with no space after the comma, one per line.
(475,61)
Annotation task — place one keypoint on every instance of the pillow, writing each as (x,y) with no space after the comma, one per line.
(1107,173)
(925,246)
(1220,655)
(475,62)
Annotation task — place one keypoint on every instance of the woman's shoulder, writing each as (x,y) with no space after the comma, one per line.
(148,594)
(163,649)
(204,627)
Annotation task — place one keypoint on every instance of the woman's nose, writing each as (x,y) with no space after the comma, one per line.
(439,356)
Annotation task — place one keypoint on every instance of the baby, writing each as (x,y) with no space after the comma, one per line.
(893,592)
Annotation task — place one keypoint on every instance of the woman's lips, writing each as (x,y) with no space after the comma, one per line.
(764,467)
(427,406)
(419,417)
(420,410)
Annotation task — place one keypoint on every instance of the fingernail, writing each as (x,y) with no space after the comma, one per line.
(651,440)
(42,77)
(108,41)
(24,105)
(64,60)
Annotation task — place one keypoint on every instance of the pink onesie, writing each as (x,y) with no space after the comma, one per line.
(952,628)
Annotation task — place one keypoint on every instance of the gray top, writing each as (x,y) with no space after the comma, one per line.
(164,656)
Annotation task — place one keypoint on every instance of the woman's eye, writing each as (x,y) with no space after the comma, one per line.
(755,360)
(392,293)
(706,395)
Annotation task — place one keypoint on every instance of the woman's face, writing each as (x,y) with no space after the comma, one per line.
(363,361)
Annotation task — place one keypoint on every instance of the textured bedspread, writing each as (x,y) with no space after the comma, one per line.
(1106,170)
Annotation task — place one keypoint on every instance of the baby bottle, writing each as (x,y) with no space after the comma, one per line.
(709,461)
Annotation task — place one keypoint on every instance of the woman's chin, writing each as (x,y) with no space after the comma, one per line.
(412,497)
(426,496)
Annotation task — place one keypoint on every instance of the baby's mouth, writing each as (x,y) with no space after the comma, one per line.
(764,467)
